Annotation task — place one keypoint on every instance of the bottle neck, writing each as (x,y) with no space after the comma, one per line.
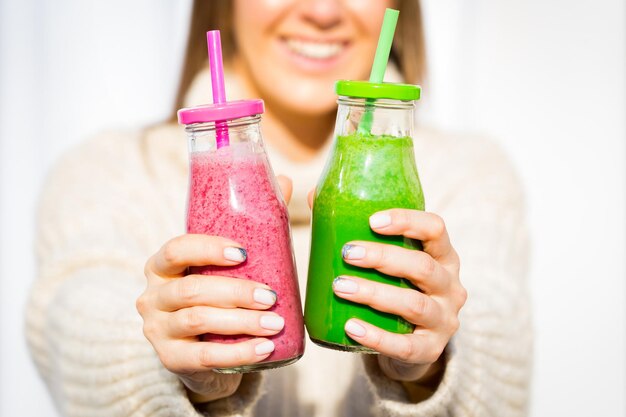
(388,117)
(202,137)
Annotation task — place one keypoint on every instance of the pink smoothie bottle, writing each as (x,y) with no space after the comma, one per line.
(233,194)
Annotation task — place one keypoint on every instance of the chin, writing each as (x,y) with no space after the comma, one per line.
(308,105)
(302,96)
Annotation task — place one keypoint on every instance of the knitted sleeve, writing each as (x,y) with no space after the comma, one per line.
(488,361)
(96,228)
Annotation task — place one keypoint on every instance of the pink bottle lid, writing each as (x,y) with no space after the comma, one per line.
(220,112)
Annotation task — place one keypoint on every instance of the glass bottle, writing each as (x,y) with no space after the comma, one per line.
(371,168)
(233,194)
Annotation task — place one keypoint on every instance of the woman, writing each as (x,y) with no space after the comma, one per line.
(112,203)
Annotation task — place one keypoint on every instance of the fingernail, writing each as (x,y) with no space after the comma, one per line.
(344,285)
(271,322)
(353,252)
(264,296)
(380,220)
(354,328)
(264,348)
(235,254)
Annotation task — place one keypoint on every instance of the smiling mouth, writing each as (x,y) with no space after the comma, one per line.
(315,50)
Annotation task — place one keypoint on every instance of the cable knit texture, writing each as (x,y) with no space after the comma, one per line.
(112,202)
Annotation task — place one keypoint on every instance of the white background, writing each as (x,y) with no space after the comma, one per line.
(544,77)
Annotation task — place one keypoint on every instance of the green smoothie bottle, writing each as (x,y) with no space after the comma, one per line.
(371,167)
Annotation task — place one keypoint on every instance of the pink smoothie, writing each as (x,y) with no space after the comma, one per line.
(231,195)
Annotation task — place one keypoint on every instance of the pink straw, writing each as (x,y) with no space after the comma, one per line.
(214,43)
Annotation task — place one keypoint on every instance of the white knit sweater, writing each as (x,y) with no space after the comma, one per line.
(112,202)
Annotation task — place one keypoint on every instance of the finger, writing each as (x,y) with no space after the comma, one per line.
(413,306)
(416,266)
(426,227)
(199,320)
(286,187)
(196,250)
(310,197)
(187,357)
(419,347)
(216,291)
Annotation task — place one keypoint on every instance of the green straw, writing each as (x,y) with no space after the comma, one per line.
(380,64)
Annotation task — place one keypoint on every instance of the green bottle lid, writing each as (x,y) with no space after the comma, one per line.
(366,89)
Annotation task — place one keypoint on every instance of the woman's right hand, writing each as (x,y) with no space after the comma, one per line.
(178,308)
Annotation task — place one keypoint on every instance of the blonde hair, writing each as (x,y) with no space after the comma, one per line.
(408,51)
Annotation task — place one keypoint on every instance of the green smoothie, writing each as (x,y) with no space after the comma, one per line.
(365,174)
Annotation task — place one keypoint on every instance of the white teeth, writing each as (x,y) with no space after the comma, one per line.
(315,50)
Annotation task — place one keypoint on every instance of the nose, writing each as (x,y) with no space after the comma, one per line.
(324,14)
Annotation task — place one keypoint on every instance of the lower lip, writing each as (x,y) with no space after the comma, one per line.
(312,65)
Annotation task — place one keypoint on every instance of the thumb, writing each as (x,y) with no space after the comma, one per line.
(286,187)
(310,197)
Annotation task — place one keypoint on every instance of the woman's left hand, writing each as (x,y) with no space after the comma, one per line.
(433,310)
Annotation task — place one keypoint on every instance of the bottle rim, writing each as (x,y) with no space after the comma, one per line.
(234,123)
(378,103)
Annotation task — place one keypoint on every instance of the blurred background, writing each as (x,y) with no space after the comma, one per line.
(546,78)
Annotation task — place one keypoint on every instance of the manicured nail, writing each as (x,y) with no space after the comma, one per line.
(353,252)
(235,254)
(271,322)
(345,285)
(264,296)
(264,348)
(380,220)
(354,328)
